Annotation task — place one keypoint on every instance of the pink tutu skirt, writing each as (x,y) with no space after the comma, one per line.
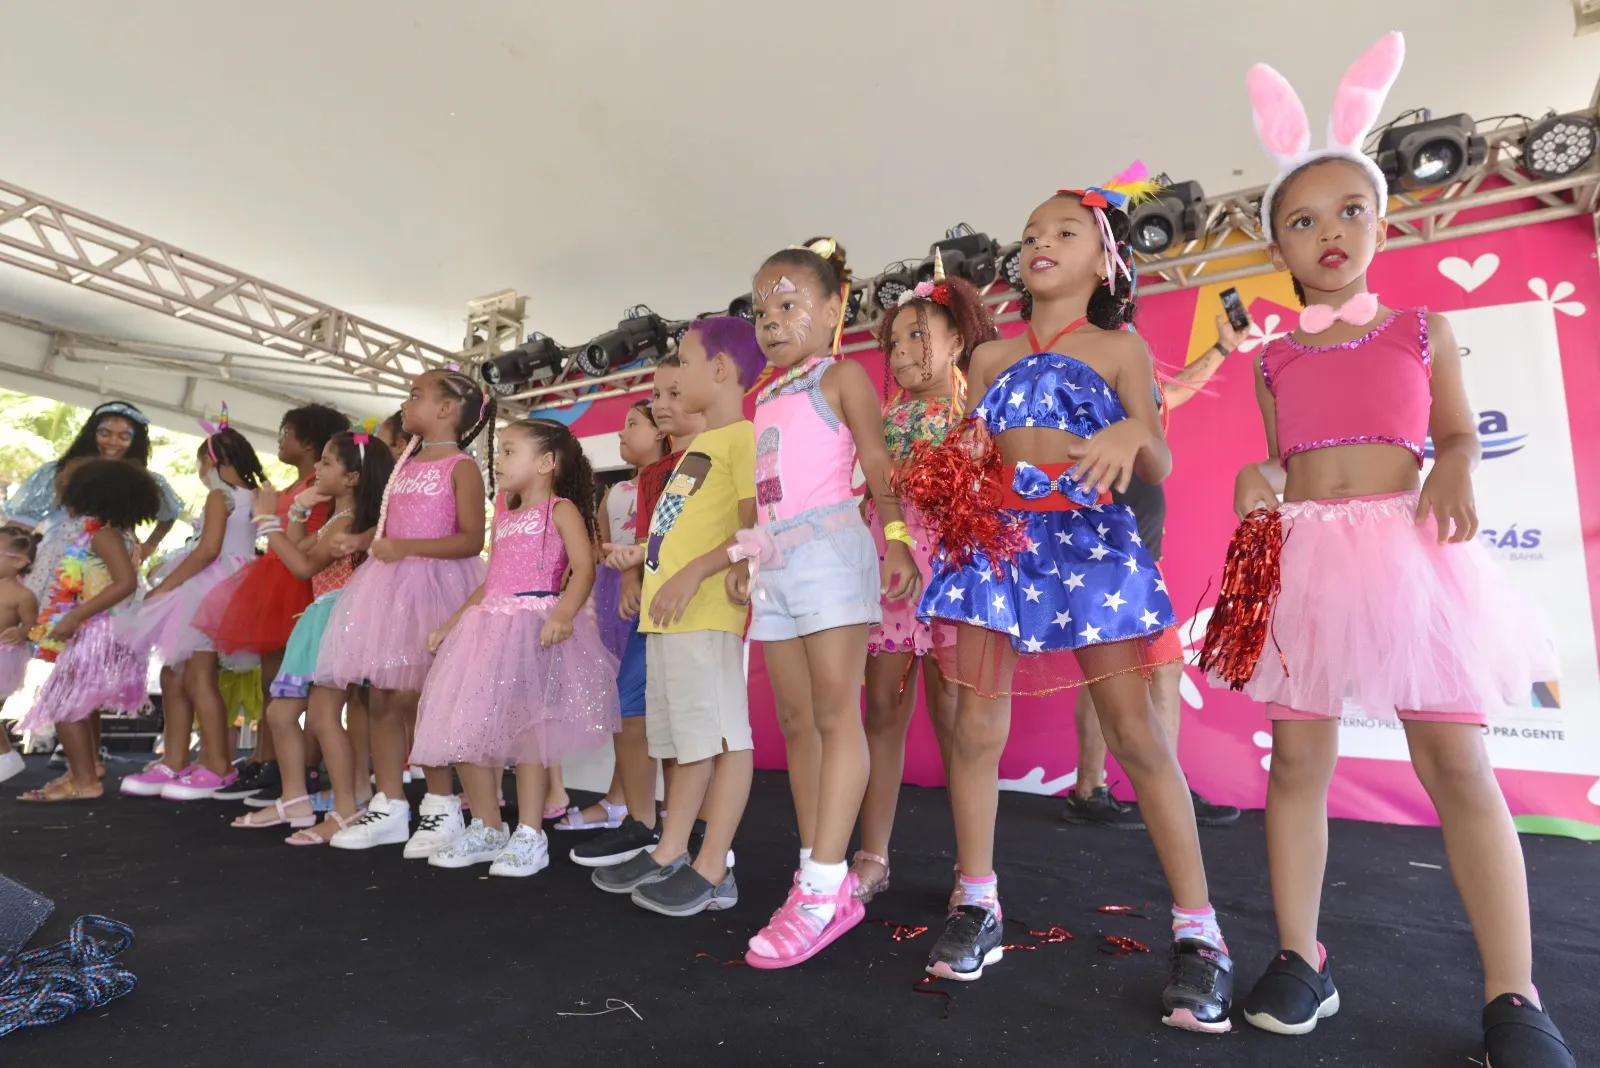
(13,667)
(165,624)
(496,696)
(95,671)
(901,631)
(378,631)
(1375,612)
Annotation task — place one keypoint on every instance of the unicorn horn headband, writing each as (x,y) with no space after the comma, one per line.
(213,429)
(1285,133)
(1131,187)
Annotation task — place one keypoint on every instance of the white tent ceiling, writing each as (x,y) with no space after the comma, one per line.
(397,157)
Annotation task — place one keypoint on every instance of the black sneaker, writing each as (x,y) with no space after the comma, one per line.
(1207,814)
(253,778)
(617,845)
(1517,1034)
(1102,810)
(1199,988)
(1291,996)
(969,943)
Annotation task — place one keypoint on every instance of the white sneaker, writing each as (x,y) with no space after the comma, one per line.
(10,764)
(476,845)
(527,853)
(385,822)
(438,824)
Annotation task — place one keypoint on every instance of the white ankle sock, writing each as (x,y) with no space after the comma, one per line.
(805,857)
(822,879)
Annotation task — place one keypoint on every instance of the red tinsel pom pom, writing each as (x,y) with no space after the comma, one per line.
(1238,628)
(955,486)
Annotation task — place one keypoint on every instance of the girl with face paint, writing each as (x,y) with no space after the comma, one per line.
(810,571)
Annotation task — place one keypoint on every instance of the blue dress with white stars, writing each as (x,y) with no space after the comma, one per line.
(1085,579)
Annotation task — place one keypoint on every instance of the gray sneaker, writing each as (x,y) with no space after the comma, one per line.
(628,876)
(686,893)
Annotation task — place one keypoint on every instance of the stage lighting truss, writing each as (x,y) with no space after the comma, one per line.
(1559,145)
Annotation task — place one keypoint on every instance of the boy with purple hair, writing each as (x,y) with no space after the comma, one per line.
(696,706)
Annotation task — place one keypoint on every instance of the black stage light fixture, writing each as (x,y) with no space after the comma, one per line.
(852,307)
(966,254)
(1011,266)
(1172,215)
(641,335)
(536,360)
(1559,145)
(1431,153)
(742,308)
(889,285)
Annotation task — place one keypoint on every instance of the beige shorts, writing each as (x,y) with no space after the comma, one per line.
(696,700)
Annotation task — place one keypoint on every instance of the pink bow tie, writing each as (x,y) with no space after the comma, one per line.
(1359,310)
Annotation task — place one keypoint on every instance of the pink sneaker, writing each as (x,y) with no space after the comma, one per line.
(151,781)
(197,784)
(792,936)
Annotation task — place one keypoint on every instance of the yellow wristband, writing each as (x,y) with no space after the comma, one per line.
(897,531)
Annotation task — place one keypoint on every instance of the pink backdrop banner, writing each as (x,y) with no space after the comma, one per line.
(1523,306)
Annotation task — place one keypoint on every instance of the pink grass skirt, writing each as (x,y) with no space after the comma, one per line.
(378,631)
(95,671)
(1374,611)
(901,631)
(165,624)
(497,697)
(13,667)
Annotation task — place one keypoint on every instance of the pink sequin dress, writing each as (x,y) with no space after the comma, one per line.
(378,631)
(496,695)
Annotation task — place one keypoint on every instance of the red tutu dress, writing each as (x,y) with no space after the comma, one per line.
(254,611)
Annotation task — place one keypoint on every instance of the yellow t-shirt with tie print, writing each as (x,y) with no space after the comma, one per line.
(698,511)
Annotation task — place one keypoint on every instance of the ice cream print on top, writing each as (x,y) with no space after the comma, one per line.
(769,472)
(685,483)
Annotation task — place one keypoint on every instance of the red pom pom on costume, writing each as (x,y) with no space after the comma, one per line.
(955,486)
(1239,624)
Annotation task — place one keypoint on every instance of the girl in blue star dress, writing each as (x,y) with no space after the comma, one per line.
(1041,582)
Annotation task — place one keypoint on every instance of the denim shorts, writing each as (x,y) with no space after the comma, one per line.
(830,581)
(631,675)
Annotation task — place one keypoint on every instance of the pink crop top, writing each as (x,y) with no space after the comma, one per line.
(528,557)
(805,455)
(422,500)
(1373,390)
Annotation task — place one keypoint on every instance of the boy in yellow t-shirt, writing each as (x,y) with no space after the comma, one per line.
(696,701)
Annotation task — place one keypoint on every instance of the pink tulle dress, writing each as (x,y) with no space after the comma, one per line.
(165,624)
(378,631)
(496,695)
(1375,617)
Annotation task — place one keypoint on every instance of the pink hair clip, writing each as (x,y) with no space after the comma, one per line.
(361,440)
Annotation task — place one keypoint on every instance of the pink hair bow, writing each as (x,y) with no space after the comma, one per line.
(757,546)
(361,440)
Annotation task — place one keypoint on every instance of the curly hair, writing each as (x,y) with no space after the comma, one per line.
(1112,305)
(84,445)
(116,492)
(314,425)
(963,310)
(375,463)
(228,446)
(574,477)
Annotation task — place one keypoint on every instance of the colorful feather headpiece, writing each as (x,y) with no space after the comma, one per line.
(1133,186)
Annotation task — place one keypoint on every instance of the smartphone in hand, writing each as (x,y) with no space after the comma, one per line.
(1234,307)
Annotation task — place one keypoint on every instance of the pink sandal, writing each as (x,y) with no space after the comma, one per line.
(574,821)
(307,836)
(247,822)
(795,936)
(865,891)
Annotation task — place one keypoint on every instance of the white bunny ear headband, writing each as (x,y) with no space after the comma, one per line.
(1285,133)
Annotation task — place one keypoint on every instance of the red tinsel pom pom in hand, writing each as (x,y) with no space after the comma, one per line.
(955,486)
(1238,628)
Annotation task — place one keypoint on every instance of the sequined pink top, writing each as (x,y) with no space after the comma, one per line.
(1373,390)
(805,455)
(528,555)
(422,500)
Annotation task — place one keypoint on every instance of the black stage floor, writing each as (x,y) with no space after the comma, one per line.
(250,953)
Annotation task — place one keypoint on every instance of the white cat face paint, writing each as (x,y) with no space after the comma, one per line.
(785,317)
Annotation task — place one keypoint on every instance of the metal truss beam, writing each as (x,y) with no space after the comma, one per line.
(59,241)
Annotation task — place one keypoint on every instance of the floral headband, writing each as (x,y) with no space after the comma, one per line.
(937,290)
(127,411)
(1131,187)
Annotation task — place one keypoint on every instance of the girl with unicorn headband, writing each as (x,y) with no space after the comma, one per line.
(1380,593)
(1041,583)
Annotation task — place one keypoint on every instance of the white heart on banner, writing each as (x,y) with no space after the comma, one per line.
(1470,276)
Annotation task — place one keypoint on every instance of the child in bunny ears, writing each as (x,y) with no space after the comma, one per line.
(1386,597)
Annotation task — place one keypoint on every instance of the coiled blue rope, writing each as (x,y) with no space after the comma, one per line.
(45,986)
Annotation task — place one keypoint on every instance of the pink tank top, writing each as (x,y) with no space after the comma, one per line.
(422,500)
(1373,390)
(794,420)
(528,555)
